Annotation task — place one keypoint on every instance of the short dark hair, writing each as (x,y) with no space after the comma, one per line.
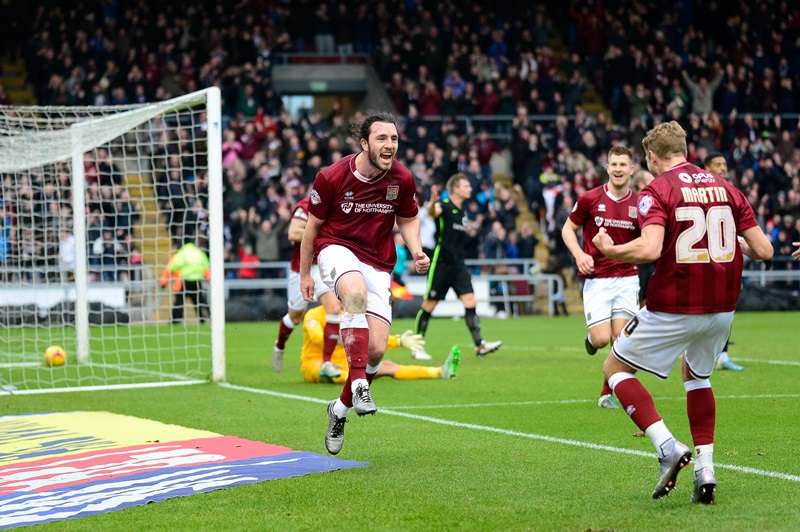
(710,157)
(361,130)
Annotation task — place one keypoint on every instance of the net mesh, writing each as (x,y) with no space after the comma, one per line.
(146,194)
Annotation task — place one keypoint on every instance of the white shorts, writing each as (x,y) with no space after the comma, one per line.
(653,341)
(295,300)
(334,261)
(609,298)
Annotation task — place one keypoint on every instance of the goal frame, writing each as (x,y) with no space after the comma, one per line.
(211,99)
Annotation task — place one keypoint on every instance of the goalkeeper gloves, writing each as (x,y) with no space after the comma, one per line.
(412,341)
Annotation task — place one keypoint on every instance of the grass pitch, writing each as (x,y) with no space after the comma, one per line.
(515,442)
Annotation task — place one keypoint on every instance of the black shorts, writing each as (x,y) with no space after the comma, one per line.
(645,273)
(442,277)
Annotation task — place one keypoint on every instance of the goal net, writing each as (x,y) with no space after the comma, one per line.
(95,201)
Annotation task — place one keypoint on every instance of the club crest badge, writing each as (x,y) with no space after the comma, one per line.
(631,212)
(392,191)
(645,202)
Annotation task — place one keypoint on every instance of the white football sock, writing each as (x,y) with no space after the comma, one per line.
(339,409)
(662,438)
(358,382)
(704,457)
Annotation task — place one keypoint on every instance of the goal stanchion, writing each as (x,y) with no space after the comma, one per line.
(95,201)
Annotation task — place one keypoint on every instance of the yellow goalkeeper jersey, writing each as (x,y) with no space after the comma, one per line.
(313,336)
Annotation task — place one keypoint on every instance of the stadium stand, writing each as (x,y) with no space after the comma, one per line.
(497,91)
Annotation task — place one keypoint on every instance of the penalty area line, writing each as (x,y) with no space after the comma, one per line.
(513,433)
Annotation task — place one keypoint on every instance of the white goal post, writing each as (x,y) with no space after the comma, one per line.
(95,201)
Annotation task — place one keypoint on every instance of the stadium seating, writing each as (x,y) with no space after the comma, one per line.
(525,73)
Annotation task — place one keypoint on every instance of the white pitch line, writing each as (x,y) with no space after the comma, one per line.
(576,401)
(770,362)
(488,405)
(101,388)
(505,432)
(555,348)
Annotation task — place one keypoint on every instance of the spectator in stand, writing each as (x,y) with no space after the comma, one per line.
(449,60)
(247,257)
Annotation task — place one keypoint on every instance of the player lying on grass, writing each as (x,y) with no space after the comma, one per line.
(311,355)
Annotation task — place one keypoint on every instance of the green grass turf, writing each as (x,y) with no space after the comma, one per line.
(425,476)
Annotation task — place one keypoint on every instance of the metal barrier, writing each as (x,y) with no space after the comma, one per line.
(779,269)
(512,282)
(271,282)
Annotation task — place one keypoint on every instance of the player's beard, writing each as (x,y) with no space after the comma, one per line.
(374,157)
(619,183)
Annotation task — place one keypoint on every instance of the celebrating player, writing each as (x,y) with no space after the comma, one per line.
(611,288)
(448,268)
(690,220)
(311,356)
(298,305)
(355,204)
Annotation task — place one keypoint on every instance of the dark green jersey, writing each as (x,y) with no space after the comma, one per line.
(451,234)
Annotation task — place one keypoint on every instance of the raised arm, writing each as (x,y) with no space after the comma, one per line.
(297,228)
(435,209)
(755,244)
(646,248)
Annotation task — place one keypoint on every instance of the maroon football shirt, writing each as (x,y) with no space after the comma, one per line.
(359,213)
(700,268)
(301,212)
(598,208)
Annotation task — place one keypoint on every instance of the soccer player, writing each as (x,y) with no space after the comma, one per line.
(355,204)
(716,164)
(298,305)
(311,356)
(447,266)
(690,220)
(610,288)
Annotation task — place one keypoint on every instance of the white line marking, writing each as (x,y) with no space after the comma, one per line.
(505,432)
(12,365)
(569,349)
(577,401)
(100,388)
(489,405)
(770,362)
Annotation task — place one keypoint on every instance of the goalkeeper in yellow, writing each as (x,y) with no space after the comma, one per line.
(311,355)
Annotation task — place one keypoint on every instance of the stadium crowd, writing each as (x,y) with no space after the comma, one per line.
(714,68)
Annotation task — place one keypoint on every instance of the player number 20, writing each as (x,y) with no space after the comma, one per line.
(718,224)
